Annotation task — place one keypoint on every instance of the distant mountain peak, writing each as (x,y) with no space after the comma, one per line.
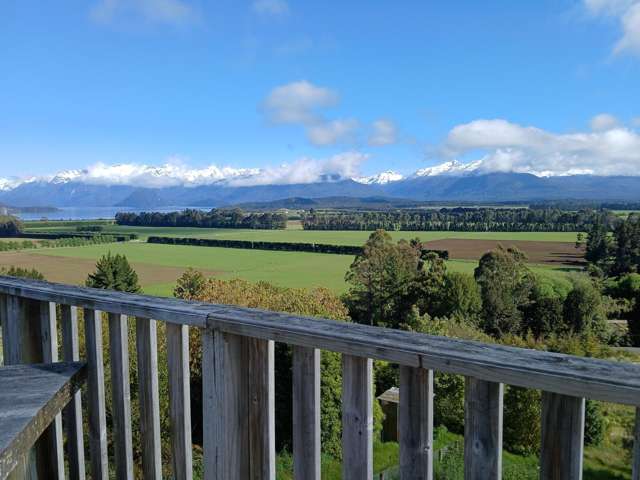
(381,178)
(452,167)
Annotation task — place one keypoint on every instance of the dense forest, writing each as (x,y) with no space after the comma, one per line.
(216,218)
(460,219)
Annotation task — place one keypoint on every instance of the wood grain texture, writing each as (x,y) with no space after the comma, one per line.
(72,413)
(225,422)
(165,309)
(562,437)
(11,336)
(3,316)
(306,413)
(179,401)
(416,423)
(95,395)
(483,430)
(636,448)
(147,350)
(121,395)
(30,398)
(261,409)
(617,382)
(357,418)
(51,444)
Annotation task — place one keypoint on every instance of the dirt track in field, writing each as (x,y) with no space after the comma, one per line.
(75,270)
(550,253)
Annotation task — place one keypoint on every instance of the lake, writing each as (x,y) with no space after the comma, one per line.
(95,213)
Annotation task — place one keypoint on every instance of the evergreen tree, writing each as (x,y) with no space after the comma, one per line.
(113,272)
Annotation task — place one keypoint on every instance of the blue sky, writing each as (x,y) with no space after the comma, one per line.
(266,82)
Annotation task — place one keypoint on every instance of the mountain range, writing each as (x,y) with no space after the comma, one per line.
(213,187)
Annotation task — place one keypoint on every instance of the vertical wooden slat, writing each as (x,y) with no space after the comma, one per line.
(73,411)
(357,418)
(562,437)
(238,419)
(121,395)
(147,350)
(50,445)
(11,338)
(261,408)
(483,430)
(416,423)
(306,413)
(179,400)
(636,448)
(95,395)
(226,440)
(3,316)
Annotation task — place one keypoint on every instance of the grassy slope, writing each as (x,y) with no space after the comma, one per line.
(333,237)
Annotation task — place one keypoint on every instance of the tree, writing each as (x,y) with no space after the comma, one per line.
(10,226)
(505,284)
(598,244)
(31,274)
(584,310)
(461,297)
(190,285)
(113,272)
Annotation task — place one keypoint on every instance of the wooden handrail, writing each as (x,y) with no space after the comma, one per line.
(238,385)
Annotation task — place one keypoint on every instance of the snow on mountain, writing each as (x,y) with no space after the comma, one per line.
(453,167)
(380,179)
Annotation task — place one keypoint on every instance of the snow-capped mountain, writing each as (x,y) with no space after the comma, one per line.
(380,179)
(453,167)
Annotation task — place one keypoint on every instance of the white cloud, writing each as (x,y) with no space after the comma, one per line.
(171,12)
(627,12)
(274,8)
(384,133)
(298,102)
(301,103)
(176,173)
(604,121)
(330,133)
(512,147)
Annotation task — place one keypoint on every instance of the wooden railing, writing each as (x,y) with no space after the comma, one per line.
(238,387)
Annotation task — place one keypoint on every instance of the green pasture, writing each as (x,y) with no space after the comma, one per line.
(336,237)
(289,269)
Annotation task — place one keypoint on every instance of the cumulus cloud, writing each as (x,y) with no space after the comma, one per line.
(171,12)
(511,147)
(604,121)
(627,12)
(384,133)
(273,8)
(302,103)
(177,173)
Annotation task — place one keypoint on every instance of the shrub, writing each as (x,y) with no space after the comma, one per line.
(113,272)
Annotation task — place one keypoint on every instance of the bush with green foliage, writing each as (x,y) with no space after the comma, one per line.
(113,272)
(10,226)
(29,273)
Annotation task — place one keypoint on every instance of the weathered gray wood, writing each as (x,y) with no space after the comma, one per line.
(3,316)
(30,398)
(147,350)
(51,444)
(73,411)
(121,395)
(617,382)
(179,401)
(416,423)
(306,413)
(483,430)
(166,309)
(95,395)
(236,444)
(562,437)
(261,409)
(636,448)
(357,418)
(575,376)
(11,336)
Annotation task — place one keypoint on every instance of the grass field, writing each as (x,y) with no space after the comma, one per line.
(311,236)
(160,265)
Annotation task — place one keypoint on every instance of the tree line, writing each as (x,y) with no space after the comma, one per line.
(459,219)
(216,218)
(279,246)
